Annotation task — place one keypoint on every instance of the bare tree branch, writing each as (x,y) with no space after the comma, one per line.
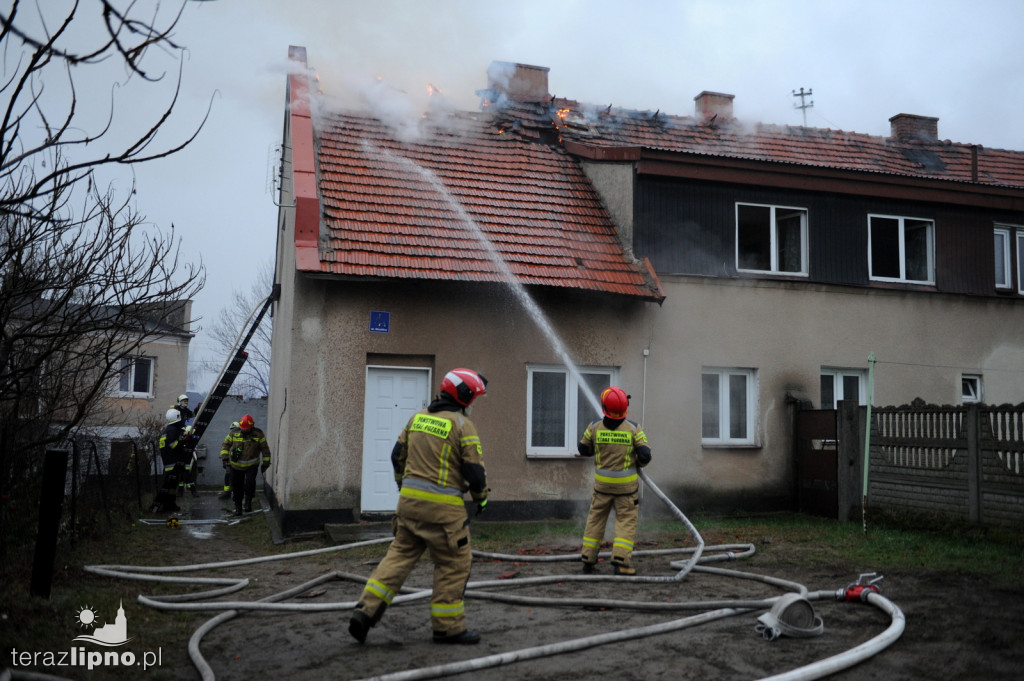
(254,379)
(85,282)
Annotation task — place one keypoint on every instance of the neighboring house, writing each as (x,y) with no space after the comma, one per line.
(150,381)
(725,273)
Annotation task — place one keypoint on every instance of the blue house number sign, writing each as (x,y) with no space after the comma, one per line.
(380,322)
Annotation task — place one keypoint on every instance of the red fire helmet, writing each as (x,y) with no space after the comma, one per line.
(464,385)
(246,422)
(614,402)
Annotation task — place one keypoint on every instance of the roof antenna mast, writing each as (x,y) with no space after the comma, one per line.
(803,106)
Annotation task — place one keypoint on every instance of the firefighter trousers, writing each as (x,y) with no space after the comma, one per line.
(627,512)
(452,556)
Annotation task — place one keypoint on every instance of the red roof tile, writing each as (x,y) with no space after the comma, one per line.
(818,147)
(463,203)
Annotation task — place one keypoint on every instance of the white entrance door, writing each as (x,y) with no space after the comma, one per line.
(393,395)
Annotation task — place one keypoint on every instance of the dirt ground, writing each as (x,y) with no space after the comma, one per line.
(957,627)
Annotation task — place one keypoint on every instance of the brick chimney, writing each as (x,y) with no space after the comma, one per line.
(911,127)
(519,82)
(709,104)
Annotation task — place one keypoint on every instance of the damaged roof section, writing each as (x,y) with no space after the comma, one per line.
(465,202)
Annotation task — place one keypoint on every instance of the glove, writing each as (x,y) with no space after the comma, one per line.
(481,500)
(224,462)
(264,467)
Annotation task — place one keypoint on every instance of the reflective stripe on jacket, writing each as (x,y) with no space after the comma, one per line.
(245,450)
(432,449)
(614,458)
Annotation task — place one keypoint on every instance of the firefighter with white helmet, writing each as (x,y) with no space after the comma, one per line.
(182,406)
(171,447)
(619,448)
(187,453)
(437,458)
(244,452)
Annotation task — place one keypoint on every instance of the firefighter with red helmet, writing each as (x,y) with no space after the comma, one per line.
(437,458)
(244,452)
(619,448)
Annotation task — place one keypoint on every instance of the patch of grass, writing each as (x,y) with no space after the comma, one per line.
(896,542)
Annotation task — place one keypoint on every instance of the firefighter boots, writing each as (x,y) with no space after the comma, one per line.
(588,568)
(248,506)
(466,638)
(359,625)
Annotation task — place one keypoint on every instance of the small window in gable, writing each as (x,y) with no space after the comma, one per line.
(771,239)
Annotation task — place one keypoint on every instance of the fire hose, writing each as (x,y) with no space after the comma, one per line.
(697,561)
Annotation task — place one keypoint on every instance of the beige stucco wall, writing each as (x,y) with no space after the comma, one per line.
(477,326)
(923,342)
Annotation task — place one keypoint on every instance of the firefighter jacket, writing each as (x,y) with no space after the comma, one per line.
(185,412)
(172,444)
(619,448)
(242,451)
(438,457)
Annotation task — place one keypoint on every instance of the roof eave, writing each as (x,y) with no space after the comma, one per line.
(764,173)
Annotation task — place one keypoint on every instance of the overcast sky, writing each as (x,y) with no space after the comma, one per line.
(865,60)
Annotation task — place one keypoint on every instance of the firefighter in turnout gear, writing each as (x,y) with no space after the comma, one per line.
(190,463)
(182,406)
(243,453)
(619,448)
(226,492)
(171,454)
(438,457)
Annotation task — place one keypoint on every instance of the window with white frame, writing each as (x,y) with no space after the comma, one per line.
(561,404)
(729,406)
(970,388)
(1002,250)
(842,384)
(901,249)
(136,377)
(771,239)
(1020,261)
